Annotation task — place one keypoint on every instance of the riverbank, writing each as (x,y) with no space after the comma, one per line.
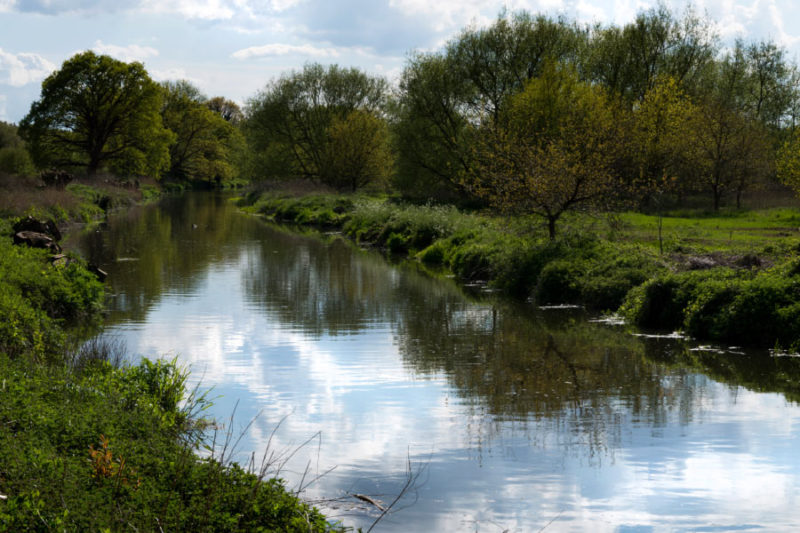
(90,442)
(732,278)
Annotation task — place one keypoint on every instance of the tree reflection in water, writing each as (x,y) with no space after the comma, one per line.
(510,363)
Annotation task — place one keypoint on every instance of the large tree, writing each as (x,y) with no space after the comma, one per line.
(292,124)
(442,94)
(553,151)
(97,112)
(205,145)
(656,44)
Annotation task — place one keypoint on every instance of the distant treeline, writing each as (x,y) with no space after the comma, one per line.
(532,113)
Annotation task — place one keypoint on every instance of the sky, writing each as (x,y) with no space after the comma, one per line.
(233,48)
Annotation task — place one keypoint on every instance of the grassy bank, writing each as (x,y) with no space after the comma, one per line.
(89,443)
(83,200)
(727,277)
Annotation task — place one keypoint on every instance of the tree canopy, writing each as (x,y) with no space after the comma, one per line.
(97,112)
(502,100)
(553,151)
(205,145)
(297,124)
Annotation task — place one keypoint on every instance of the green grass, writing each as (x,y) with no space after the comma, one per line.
(728,231)
(87,445)
(113,449)
(746,292)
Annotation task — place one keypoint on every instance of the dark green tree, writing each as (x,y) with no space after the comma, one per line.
(657,44)
(470,82)
(430,133)
(97,112)
(206,146)
(14,157)
(290,123)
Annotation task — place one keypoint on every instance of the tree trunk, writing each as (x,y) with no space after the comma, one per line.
(551,226)
(717,197)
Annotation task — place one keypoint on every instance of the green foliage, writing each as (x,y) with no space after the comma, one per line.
(24,328)
(442,93)
(357,152)
(629,60)
(97,112)
(62,292)
(575,268)
(227,109)
(106,449)
(722,304)
(688,118)
(594,274)
(301,126)
(318,210)
(35,296)
(206,146)
(8,136)
(788,163)
(87,446)
(418,226)
(554,151)
(16,160)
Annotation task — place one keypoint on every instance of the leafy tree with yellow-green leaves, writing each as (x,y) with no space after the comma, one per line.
(357,152)
(553,152)
(659,138)
(788,163)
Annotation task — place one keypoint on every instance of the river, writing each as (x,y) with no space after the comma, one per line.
(355,372)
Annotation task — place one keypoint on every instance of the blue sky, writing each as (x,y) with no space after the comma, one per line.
(234,47)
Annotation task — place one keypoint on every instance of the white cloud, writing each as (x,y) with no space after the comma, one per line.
(132,52)
(172,74)
(782,36)
(591,11)
(23,68)
(283,5)
(3,115)
(278,49)
(6,5)
(450,14)
(193,9)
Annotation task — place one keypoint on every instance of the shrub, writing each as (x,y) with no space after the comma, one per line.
(722,304)
(16,160)
(559,283)
(35,296)
(396,243)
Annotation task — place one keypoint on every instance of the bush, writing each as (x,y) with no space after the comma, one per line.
(762,312)
(35,296)
(559,283)
(433,254)
(16,160)
(722,304)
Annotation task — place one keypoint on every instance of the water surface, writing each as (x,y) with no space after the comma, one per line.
(511,418)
